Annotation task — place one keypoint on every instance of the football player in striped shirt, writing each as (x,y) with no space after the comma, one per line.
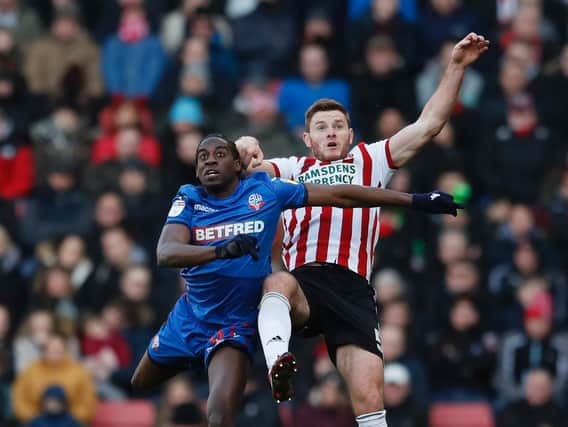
(329,251)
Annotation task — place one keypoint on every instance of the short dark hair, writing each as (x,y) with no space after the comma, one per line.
(232,146)
(325,104)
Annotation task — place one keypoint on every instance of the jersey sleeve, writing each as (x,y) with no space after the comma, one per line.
(383,165)
(180,211)
(291,194)
(284,166)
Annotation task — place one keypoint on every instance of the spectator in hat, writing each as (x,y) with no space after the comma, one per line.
(537,346)
(186,114)
(402,408)
(65,64)
(55,412)
(394,343)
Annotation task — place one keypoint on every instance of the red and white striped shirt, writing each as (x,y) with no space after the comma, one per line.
(346,237)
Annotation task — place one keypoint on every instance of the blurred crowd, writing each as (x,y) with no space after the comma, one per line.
(102,104)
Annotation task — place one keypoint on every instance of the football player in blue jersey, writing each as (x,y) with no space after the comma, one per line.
(220,233)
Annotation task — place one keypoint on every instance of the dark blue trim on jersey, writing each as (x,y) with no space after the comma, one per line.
(305,202)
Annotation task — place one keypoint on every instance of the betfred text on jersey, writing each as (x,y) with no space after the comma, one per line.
(224,231)
(330,174)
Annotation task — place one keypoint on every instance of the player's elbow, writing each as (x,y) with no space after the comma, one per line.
(164,257)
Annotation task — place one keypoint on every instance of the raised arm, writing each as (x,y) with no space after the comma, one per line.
(409,140)
(353,196)
(252,156)
(175,250)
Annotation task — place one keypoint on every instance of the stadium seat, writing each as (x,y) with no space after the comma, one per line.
(474,414)
(128,413)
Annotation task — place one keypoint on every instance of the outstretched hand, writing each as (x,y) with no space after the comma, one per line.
(469,49)
(238,246)
(436,202)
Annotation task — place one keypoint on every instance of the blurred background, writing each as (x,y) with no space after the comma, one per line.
(102,104)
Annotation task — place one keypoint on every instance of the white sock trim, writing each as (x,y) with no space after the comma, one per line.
(372,419)
(278,295)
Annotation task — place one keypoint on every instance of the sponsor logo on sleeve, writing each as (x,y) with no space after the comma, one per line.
(155,342)
(177,207)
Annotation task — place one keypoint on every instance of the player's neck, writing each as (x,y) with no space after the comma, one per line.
(222,192)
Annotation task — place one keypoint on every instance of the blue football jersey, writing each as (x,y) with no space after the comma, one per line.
(226,287)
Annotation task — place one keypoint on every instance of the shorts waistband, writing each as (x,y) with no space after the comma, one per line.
(338,268)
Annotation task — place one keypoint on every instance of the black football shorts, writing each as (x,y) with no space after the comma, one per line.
(342,308)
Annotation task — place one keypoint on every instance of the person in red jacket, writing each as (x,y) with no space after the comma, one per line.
(105,351)
(124,117)
(17,168)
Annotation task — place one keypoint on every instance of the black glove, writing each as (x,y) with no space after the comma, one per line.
(238,246)
(436,202)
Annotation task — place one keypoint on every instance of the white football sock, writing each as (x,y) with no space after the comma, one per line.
(372,419)
(274,326)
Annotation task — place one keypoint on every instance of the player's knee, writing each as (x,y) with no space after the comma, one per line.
(364,403)
(137,382)
(281,282)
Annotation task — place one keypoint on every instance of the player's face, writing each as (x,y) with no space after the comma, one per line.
(217,169)
(329,135)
